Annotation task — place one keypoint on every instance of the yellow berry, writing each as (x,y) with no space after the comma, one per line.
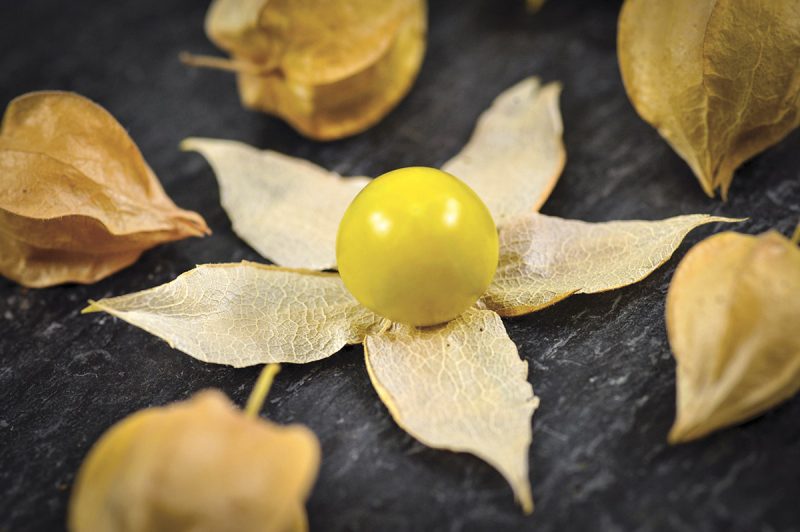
(417,246)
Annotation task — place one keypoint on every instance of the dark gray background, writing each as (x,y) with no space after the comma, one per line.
(601,364)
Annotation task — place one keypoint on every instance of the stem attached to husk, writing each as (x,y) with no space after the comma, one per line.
(223,63)
(796,235)
(260,390)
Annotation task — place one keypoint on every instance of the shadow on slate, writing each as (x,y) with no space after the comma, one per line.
(601,363)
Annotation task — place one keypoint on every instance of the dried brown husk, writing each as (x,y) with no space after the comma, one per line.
(732,313)
(330,68)
(77,200)
(197,465)
(719,79)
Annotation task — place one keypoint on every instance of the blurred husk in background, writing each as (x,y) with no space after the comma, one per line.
(330,68)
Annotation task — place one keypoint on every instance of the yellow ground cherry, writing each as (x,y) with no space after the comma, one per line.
(417,246)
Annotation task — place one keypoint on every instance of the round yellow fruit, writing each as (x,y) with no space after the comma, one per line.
(417,246)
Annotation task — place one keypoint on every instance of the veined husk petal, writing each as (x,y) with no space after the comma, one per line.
(516,153)
(287,209)
(544,259)
(460,387)
(246,314)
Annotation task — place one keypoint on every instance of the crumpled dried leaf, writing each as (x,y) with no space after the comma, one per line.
(196,465)
(331,68)
(544,259)
(77,200)
(732,314)
(461,387)
(717,78)
(287,209)
(516,154)
(246,314)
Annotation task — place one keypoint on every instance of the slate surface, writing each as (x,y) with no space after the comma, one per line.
(601,364)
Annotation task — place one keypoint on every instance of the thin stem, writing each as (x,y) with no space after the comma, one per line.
(796,235)
(222,63)
(260,390)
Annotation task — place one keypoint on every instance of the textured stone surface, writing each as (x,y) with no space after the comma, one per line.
(601,363)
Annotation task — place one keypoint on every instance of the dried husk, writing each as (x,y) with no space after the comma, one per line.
(288,209)
(330,68)
(77,200)
(198,465)
(462,387)
(544,259)
(732,314)
(719,79)
(246,314)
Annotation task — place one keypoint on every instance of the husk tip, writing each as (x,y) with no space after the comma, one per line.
(190,223)
(795,239)
(526,502)
(684,432)
(726,219)
(91,308)
(188,144)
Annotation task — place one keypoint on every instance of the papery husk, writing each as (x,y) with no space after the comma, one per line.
(77,200)
(719,79)
(732,314)
(286,208)
(330,68)
(462,387)
(246,314)
(544,259)
(196,466)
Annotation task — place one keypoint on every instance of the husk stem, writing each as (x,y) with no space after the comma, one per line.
(223,63)
(260,391)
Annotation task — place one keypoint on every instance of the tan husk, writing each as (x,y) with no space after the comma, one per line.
(732,313)
(331,68)
(197,465)
(77,200)
(719,79)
